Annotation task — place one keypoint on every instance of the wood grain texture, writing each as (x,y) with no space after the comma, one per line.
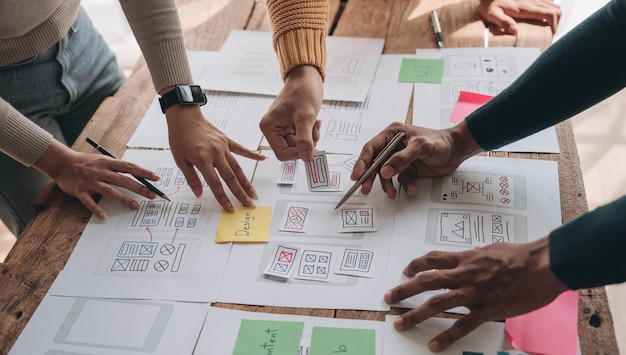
(46,244)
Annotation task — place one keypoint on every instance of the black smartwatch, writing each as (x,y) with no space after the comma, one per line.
(182,95)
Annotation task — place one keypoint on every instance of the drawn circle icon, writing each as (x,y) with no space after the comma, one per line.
(504,192)
(167,249)
(161,265)
(295,219)
(504,178)
(505,200)
(504,185)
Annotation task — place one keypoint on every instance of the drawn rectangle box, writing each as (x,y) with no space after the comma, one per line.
(356,260)
(514,197)
(471,228)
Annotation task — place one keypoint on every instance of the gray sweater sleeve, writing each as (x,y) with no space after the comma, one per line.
(586,66)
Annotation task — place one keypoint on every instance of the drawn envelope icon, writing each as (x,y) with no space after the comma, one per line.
(496,218)
(497,238)
(285,256)
(350,217)
(496,228)
(323,259)
(281,267)
(120,265)
(146,249)
(321,270)
(308,269)
(309,258)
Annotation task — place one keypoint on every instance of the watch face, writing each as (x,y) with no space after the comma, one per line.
(185,92)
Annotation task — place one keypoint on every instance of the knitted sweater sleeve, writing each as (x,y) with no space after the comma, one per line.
(299,33)
(581,69)
(159,34)
(20,138)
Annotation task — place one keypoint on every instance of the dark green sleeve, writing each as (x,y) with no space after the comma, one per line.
(589,251)
(585,66)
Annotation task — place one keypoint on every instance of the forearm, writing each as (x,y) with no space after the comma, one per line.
(588,251)
(299,33)
(159,34)
(576,72)
(20,138)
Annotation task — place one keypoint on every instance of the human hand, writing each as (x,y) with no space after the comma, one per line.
(83,175)
(290,125)
(495,282)
(425,153)
(501,14)
(196,143)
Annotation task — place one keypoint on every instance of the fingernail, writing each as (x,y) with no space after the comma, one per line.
(103,216)
(252,193)
(229,206)
(249,202)
(134,205)
(387,296)
(398,323)
(434,345)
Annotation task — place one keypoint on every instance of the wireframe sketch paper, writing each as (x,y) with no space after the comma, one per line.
(72,326)
(247,63)
(222,327)
(487,200)
(163,250)
(318,266)
(485,71)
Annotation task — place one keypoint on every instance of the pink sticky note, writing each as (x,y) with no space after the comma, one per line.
(467,103)
(552,329)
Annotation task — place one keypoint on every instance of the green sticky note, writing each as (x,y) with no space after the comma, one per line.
(421,70)
(343,341)
(262,337)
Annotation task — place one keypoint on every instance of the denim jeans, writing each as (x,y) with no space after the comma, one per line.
(59,89)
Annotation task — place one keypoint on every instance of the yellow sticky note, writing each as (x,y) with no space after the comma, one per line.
(245,225)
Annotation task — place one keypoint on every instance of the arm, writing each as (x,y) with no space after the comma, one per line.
(299,34)
(501,14)
(79,175)
(194,141)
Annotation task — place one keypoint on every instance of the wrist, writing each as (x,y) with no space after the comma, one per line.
(53,162)
(463,143)
(538,253)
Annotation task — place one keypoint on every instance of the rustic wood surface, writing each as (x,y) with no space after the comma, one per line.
(45,246)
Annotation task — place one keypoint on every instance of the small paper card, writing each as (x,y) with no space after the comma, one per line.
(282,262)
(317,174)
(245,225)
(287,172)
(358,219)
(294,219)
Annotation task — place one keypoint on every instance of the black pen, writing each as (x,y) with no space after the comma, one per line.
(434,19)
(145,182)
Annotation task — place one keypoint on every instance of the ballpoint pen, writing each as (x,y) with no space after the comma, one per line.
(434,19)
(377,163)
(145,182)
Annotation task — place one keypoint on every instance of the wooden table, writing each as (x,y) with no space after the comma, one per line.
(46,244)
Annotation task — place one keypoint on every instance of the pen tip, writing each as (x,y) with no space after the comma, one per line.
(166,198)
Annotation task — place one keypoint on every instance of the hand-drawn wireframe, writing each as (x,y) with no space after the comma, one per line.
(355,260)
(173,178)
(471,228)
(498,190)
(314,265)
(182,214)
(282,262)
(317,174)
(483,65)
(335,181)
(288,172)
(314,221)
(294,220)
(83,308)
(362,219)
(153,257)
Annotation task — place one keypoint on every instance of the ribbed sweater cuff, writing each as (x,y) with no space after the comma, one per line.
(301,47)
(22,139)
(168,64)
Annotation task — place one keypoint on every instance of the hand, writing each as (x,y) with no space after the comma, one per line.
(196,143)
(501,14)
(83,175)
(425,153)
(495,282)
(290,125)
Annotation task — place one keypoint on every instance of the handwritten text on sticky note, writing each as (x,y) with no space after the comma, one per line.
(262,337)
(421,70)
(245,225)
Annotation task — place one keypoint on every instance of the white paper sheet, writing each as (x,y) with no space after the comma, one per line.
(487,200)
(325,253)
(73,326)
(247,63)
(487,339)
(220,330)
(235,114)
(481,70)
(164,250)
